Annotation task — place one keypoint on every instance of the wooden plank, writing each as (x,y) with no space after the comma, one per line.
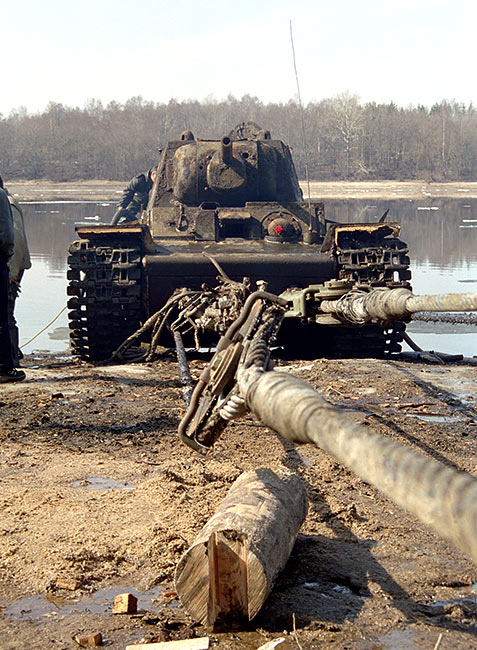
(187,644)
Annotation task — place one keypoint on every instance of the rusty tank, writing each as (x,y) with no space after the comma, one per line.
(232,204)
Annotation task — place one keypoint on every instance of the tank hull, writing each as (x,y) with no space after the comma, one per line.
(280,265)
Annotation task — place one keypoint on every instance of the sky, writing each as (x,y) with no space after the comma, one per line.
(410,52)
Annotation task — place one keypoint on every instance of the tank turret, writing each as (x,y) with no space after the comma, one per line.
(228,171)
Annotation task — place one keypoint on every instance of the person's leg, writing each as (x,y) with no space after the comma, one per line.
(13,291)
(7,370)
(6,359)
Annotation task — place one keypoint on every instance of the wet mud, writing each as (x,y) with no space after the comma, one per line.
(99,497)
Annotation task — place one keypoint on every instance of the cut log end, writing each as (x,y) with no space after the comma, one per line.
(228,593)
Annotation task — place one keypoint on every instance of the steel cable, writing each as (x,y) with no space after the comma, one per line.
(440,496)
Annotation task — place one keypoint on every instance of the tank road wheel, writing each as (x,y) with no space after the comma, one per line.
(105,303)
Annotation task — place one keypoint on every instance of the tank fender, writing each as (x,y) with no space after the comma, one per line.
(133,234)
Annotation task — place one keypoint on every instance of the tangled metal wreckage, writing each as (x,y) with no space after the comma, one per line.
(232,211)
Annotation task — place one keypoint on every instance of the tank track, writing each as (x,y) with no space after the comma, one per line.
(383,264)
(105,303)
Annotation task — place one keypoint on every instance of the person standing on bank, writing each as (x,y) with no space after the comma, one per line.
(7,370)
(19,263)
(135,197)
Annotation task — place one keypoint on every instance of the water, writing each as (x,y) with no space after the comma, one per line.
(50,228)
(443,256)
(100,602)
(101,483)
(440,234)
(436,418)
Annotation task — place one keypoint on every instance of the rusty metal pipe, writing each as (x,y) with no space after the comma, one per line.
(186,379)
(441,497)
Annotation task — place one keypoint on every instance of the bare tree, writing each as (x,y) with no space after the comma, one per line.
(347,124)
(343,139)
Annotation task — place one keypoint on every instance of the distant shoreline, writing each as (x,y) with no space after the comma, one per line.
(378,190)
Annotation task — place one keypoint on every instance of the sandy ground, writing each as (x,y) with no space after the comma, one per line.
(98,497)
(110,190)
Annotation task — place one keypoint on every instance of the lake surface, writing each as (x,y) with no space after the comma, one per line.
(442,238)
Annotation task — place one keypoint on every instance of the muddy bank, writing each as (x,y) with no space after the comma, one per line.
(366,190)
(98,497)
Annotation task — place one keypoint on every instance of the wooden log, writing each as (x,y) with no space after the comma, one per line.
(230,568)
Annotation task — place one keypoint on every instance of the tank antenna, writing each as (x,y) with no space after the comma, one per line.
(307,169)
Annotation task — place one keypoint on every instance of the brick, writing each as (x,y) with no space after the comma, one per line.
(125,604)
(89,640)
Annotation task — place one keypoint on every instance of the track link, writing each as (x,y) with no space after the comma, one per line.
(105,297)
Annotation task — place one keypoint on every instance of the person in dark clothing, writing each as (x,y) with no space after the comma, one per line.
(18,263)
(7,370)
(135,197)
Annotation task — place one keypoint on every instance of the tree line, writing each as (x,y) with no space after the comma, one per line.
(337,138)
